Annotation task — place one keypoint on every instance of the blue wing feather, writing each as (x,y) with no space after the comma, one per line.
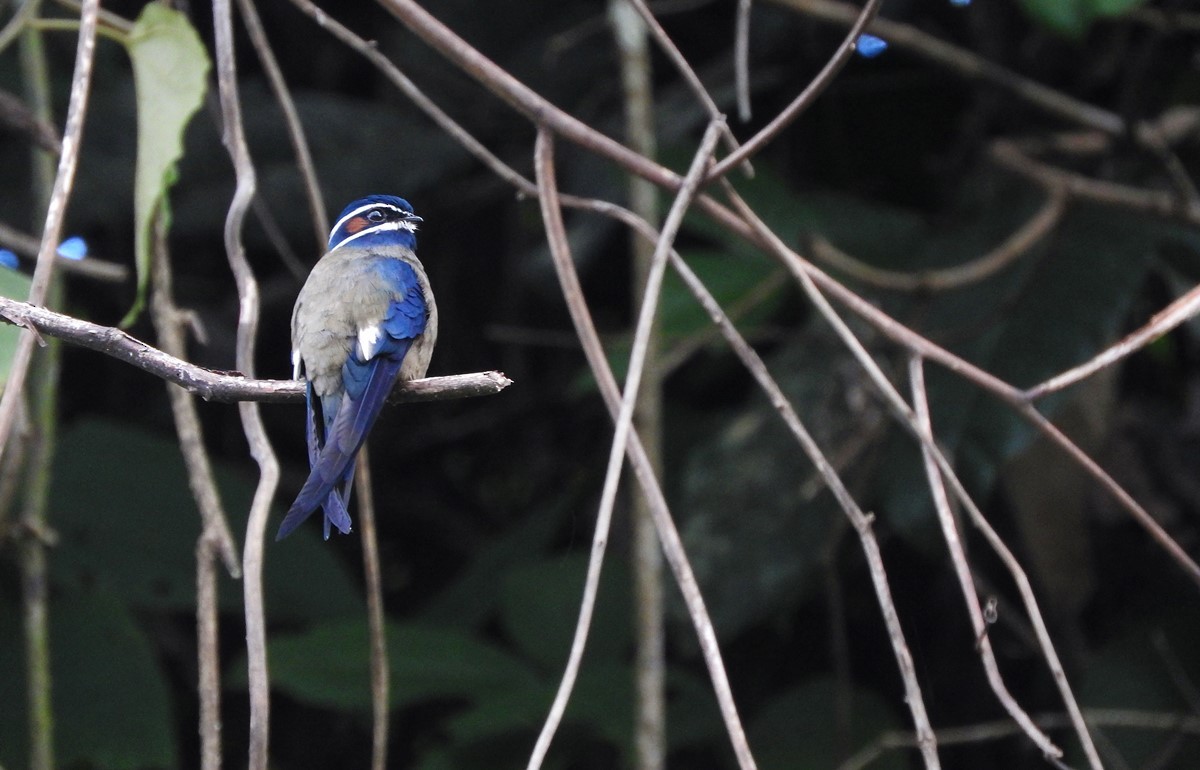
(348,417)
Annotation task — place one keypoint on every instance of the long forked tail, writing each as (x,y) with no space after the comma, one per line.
(334,464)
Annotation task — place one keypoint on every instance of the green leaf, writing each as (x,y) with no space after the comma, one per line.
(1060,311)
(1130,674)
(741,493)
(170,70)
(731,280)
(13,285)
(800,728)
(124,513)
(328,665)
(472,598)
(1114,7)
(1069,18)
(539,606)
(111,706)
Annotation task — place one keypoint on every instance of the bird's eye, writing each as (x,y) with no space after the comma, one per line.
(375,216)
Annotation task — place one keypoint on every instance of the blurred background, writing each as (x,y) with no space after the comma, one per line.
(486,506)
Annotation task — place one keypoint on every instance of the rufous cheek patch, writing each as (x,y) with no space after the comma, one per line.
(356,224)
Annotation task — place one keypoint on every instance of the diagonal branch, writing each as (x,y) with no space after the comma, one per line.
(862,522)
(815,88)
(958,558)
(64,182)
(1165,320)
(672,544)
(960,61)
(689,75)
(907,418)
(902,335)
(1016,245)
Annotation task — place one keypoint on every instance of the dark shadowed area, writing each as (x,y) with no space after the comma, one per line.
(905,170)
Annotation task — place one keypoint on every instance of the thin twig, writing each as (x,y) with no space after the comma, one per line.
(215,537)
(295,129)
(33,557)
(16,25)
(650,667)
(741,59)
(1165,320)
(962,570)
(908,419)
(380,676)
(861,521)
(902,335)
(260,447)
(689,75)
(526,101)
(169,326)
(64,182)
(623,425)
(960,61)
(815,88)
(1015,246)
(671,542)
(995,730)
(1158,203)
(208,650)
(98,269)
(31,457)
(371,53)
(19,118)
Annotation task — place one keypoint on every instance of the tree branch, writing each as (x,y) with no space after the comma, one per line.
(225,387)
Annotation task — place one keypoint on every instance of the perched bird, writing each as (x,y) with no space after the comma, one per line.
(364,319)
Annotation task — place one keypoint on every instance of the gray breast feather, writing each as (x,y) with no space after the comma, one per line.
(342,296)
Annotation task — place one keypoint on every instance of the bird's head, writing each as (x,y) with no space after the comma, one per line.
(376,220)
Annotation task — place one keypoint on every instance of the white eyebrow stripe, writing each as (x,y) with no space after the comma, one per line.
(365,207)
(386,226)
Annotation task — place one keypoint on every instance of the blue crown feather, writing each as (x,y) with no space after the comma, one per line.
(376,220)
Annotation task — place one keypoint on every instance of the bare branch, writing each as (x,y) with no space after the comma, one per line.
(671,543)
(962,62)
(215,537)
(862,522)
(1163,321)
(1167,205)
(64,182)
(1015,246)
(169,325)
(908,419)
(228,387)
(741,59)
(208,651)
(990,731)
(256,435)
(380,678)
(96,269)
(689,75)
(962,570)
(815,88)
(650,649)
(308,171)
(902,335)
(523,99)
